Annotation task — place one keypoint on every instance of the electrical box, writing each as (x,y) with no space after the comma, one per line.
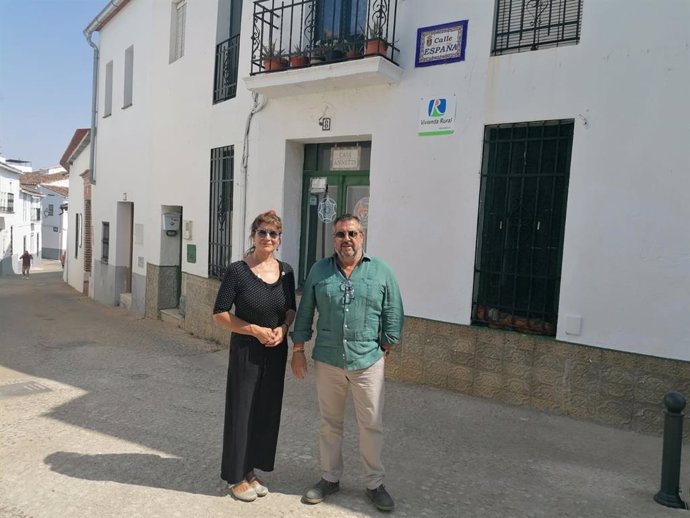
(171,221)
(187,229)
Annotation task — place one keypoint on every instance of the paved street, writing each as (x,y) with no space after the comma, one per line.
(107,415)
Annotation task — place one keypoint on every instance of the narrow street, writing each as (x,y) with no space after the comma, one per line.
(107,415)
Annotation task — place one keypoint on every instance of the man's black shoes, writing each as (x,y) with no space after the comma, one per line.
(382,500)
(320,491)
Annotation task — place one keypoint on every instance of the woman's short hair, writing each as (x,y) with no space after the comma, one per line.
(267,218)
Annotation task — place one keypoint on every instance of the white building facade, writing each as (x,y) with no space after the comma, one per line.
(19,219)
(77,258)
(528,186)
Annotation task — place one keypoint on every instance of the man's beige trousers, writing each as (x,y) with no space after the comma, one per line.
(332,385)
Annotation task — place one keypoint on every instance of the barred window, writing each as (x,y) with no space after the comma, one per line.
(522,210)
(220,213)
(105,242)
(524,25)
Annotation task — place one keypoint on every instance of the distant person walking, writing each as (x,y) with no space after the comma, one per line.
(27,259)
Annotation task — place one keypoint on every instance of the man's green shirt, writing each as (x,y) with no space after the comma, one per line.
(350,326)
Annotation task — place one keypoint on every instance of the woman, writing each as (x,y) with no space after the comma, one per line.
(262,289)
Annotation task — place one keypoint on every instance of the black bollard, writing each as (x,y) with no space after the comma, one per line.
(669,495)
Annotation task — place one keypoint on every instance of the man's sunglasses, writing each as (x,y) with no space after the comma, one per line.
(266,233)
(350,233)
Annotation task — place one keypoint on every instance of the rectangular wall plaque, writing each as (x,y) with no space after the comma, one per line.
(438,44)
(345,158)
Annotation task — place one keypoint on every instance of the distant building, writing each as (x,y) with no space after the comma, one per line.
(53,186)
(19,219)
(77,259)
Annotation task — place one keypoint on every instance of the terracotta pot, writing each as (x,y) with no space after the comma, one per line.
(299,61)
(274,63)
(353,54)
(375,47)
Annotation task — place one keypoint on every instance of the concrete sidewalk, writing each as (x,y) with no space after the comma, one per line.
(107,415)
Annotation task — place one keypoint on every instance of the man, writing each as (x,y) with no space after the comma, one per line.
(360,319)
(26,258)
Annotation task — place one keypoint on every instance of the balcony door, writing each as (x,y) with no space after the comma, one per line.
(340,20)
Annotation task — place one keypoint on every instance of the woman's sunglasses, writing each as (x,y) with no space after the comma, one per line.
(267,233)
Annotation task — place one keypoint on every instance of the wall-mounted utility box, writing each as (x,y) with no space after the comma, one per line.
(187,229)
(171,221)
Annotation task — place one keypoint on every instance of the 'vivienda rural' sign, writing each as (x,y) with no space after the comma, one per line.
(439,44)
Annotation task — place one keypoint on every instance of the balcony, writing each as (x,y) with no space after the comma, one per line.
(225,80)
(309,46)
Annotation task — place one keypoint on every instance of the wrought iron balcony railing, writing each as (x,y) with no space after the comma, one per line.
(304,33)
(227,61)
(7,208)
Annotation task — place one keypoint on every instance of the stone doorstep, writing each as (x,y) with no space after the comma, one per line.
(126,300)
(172,316)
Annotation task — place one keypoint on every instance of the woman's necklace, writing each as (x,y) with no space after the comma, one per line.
(264,269)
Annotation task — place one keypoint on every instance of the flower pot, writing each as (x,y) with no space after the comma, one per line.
(299,61)
(274,63)
(353,53)
(375,47)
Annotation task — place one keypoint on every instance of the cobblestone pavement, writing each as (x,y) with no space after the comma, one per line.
(107,415)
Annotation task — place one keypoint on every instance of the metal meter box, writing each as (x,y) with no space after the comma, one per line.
(171,221)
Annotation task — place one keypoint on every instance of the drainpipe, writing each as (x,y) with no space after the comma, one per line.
(94,106)
(258,104)
(94,26)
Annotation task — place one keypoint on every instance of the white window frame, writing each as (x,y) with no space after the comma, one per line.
(108,97)
(178,22)
(127,99)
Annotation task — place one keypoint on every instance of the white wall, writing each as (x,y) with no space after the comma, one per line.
(626,264)
(626,267)
(74,253)
(123,154)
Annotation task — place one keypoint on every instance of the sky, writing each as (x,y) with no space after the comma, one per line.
(45,76)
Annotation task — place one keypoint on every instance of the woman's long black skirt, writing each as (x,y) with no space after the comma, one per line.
(253,401)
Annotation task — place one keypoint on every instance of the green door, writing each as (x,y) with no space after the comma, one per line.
(327,194)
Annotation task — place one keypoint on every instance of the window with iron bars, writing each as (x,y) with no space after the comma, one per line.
(220,213)
(227,50)
(522,208)
(105,242)
(524,25)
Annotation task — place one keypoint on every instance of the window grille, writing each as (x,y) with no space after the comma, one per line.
(220,213)
(227,50)
(523,25)
(105,242)
(522,208)
(227,66)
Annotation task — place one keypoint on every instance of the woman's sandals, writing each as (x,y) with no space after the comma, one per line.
(247,491)
(243,491)
(259,487)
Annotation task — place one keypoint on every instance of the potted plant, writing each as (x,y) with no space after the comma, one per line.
(354,48)
(337,51)
(271,57)
(299,57)
(376,44)
(319,51)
